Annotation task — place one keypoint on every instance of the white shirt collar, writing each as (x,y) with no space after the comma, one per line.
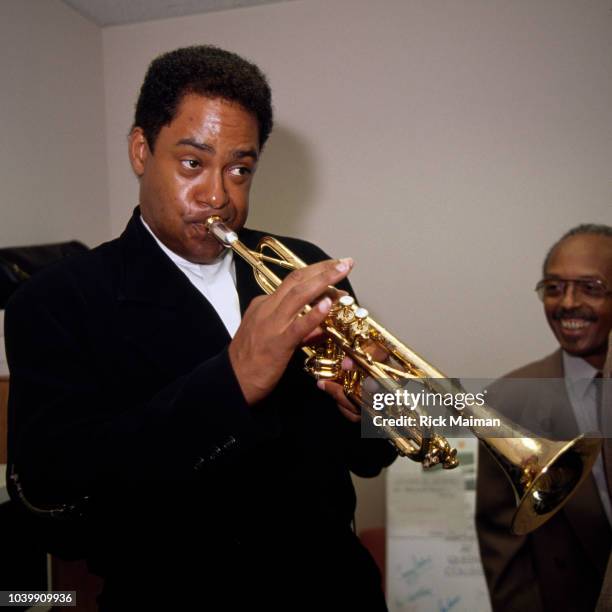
(578,372)
(207,272)
(215,281)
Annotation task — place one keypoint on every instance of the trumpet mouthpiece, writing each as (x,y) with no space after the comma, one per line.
(220,231)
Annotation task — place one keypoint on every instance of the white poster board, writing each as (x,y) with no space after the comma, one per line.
(433,563)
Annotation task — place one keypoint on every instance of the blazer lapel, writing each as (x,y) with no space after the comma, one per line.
(566,425)
(606,414)
(159,307)
(584,511)
(550,404)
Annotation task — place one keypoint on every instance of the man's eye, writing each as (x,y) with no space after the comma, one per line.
(240,171)
(552,287)
(190,164)
(592,288)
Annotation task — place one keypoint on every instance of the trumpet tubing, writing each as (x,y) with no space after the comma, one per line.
(543,473)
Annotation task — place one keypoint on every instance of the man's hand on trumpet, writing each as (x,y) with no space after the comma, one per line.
(273,326)
(336,390)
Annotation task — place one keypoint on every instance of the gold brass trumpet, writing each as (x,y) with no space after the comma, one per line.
(544,473)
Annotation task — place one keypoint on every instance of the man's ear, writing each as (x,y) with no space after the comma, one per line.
(138,150)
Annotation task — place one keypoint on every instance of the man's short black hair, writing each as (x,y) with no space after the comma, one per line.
(205,70)
(593,229)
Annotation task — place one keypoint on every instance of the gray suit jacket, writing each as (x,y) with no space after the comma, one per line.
(561,565)
(605,599)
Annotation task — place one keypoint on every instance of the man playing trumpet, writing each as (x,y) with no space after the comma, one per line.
(151,377)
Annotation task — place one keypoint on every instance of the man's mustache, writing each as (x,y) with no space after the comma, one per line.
(574,313)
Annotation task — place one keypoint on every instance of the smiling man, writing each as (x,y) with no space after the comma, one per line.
(576,291)
(152,379)
(561,565)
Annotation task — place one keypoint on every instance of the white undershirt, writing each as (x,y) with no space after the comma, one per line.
(580,384)
(215,281)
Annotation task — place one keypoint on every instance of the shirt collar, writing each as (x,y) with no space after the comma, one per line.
(578,372)
(207,272)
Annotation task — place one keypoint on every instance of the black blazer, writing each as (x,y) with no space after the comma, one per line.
(122,391)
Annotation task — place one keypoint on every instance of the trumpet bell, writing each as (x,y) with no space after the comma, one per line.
(543,473)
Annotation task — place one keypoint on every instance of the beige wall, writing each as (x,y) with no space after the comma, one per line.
(442,144)
(52,158)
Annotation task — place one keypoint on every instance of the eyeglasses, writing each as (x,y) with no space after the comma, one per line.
(592,288)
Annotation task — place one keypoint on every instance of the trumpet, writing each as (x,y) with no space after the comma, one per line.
(544,473)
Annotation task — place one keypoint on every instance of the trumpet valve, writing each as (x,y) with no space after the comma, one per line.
(440,451)
(351,382)
(323,367)
(345,312)
(360,328)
